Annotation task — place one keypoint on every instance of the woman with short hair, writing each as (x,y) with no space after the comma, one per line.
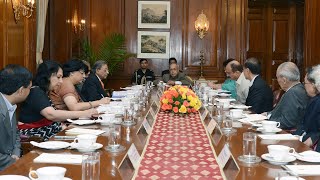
(66,97)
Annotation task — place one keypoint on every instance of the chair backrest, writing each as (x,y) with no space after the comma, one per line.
(277,94)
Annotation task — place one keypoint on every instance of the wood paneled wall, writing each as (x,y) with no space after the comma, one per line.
(227,36)
(312,35)
(17,40)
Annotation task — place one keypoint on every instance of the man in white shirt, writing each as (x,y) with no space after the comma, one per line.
(15,84)
(234,71)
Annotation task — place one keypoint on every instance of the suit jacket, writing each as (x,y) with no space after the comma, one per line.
(9,137)
(92,89)
(180,77)
(260,96)
(291,107)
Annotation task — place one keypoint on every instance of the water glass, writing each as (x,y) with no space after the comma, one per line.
(227,123)
(91,166)
(114,136)
(249,148)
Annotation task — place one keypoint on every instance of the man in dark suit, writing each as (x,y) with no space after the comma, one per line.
(175,76)
(260,95)
(15,84)
(93,87)
(142,75)
(291,108)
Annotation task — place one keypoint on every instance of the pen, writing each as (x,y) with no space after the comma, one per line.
(65,137)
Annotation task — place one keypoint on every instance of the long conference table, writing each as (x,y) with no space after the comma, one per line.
(178,133)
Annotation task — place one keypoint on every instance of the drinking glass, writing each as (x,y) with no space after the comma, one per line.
(91,166)
(114,139)
(249,148)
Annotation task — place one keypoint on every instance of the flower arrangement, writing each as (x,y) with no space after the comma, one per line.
(180,99)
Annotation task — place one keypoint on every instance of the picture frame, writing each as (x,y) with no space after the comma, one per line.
(154,14)
(153,44)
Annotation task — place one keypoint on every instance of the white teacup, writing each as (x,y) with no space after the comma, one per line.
(48,173)
(280,152)
(270,125)
(178,83)
(107,117)
(236,113)
(85,140)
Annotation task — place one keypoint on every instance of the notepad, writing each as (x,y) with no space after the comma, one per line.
(278,137)
(77,131)
(58,158)
(304,170)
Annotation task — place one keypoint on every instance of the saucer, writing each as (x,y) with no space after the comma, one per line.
(92,148)
(81,122)
(240,117)
(308,156)
(224,95)
(273,131)
(270,159)
(240,106)
(13,177)
(52,145)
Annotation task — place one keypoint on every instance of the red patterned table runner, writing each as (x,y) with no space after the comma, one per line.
(178,148)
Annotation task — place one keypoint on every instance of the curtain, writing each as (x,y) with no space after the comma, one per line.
(42,6)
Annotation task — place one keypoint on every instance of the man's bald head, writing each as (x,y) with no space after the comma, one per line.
(234,69)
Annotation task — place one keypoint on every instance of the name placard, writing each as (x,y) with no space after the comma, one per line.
(146,126)
(134,156)
(212,124)
(224,156)
(204,114)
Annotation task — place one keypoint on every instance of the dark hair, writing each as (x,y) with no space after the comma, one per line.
(44,72)
(172,59)
(236,67)
(253,64)
(13,77)
(141,60)
(98,65)
(310,78)
(226,62)
(72,66)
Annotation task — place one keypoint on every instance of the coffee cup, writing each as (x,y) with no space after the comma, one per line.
(270,125)
(280,152)
(107,118)
(236,113)
(48,173)
(85,140)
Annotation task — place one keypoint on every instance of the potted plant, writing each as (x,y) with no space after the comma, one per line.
(112,49)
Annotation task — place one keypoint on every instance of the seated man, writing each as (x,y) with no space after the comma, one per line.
(15,84)
(142,75)
(309,127)
(260,95)
(235,71)
(171,60)
(175,75)
(229,84)
(93,87)
(292,105)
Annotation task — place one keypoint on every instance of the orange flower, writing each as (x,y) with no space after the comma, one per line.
(186,104)
(175,109)
(177,103)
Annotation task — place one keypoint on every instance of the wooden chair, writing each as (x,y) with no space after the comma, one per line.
(26,146)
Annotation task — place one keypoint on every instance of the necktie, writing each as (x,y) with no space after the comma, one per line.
(102,84)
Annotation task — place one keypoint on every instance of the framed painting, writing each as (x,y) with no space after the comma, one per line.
(153,44)
(154,14)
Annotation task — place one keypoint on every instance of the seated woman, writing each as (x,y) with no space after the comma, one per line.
(66,97)
(38,116)
(309,128)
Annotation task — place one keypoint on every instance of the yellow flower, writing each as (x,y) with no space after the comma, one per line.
(189,98)
(193,102)
(183,96)
(197,107)
(183,109)
(165,101)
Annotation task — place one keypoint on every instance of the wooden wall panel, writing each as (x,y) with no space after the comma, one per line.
(17,40)
(312,35)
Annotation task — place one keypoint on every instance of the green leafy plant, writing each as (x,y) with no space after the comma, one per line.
(111,49)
